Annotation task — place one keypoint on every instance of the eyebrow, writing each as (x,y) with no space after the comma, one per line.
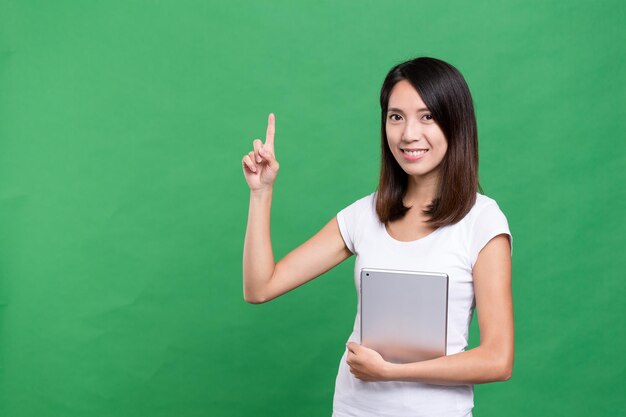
(400,111)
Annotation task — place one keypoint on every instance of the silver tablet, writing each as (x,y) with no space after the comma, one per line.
(404,314)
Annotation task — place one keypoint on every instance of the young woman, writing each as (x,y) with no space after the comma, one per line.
(426,215)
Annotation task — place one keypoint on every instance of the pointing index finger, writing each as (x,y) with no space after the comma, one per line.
(271,128)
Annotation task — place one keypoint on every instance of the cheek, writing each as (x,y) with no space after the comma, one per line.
(390,141)
(393,134)
(441,152)
(440,142)
(444,149)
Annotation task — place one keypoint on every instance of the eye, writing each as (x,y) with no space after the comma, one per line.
(428,116)
(394,117)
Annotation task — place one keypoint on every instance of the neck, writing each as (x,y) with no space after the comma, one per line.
(421,191)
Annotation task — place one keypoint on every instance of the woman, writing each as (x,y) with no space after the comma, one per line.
(426,215)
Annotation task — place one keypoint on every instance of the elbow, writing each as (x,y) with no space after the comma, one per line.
(502,375)
(505,372)
(257,292)
(499,362)
(252,298)
(498,367)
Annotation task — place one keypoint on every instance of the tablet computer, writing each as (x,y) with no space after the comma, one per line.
(404,314)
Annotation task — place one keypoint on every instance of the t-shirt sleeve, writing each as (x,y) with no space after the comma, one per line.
(347,220)
(489,223)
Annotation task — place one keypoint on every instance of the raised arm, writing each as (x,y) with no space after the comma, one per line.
(263,279)
(491,361)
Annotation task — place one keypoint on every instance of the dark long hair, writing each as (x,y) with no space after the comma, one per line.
(446,94)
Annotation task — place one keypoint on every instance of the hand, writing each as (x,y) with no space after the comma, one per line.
(260,166)
(366,364)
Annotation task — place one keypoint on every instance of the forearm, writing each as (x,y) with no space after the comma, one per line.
(258,257)
(493,359)
(475,366)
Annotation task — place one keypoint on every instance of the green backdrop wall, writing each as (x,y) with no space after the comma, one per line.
(123,205)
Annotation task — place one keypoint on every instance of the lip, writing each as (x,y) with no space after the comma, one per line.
(411,157)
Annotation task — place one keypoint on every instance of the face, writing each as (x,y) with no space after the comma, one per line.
(415,140)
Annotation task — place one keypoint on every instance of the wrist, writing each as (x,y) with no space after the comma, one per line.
(261,193)
(390,371)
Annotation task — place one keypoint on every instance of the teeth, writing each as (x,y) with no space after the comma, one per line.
(415,153)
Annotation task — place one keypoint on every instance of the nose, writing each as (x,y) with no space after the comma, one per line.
(412,131)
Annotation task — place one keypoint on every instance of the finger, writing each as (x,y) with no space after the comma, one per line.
(352,360)
(247,162)
(257,147)
(359,375)
(352,347)
(271,129)
(251,159)
(270,158)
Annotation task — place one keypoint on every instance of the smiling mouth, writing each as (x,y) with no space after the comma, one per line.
(414,152)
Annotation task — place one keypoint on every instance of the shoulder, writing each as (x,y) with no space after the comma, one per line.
(485,221)
(485,215)
(483,207)
(368,200)
(353,217)
(364,203)
(483,201)
(361,209)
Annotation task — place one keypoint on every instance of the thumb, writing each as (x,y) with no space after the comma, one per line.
(353,347)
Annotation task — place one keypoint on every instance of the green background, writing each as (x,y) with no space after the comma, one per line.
(123,205)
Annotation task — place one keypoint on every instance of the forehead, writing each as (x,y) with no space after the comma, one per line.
(404,96)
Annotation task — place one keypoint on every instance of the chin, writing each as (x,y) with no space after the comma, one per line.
(422,173)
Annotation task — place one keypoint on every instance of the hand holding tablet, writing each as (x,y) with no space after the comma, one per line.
(404,314)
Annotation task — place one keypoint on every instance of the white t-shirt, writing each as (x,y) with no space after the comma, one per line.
(451,249)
